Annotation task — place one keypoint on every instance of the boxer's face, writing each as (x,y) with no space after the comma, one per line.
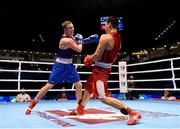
(166,92)
(69,30)
(107,27)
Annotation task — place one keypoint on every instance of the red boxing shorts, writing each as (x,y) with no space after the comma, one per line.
(97,82)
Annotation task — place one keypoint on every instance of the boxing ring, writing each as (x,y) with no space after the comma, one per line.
(160,75)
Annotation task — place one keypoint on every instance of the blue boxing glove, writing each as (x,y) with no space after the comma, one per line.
(91,39)
(79,38)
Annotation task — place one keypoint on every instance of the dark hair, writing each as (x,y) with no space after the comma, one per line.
(113,20)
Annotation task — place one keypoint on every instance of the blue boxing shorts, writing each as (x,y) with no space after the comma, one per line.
(63,73)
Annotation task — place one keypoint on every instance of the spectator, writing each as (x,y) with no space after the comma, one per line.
(131,95)
(63,95)
(167,96)
(23,97)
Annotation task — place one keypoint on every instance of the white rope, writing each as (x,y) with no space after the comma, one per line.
(115,80)
(151,80)
(150,71)
(36,90)
(28,80)
(155,89)
(151,62)
(26,62)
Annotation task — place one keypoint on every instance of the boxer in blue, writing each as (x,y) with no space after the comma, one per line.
(63,69)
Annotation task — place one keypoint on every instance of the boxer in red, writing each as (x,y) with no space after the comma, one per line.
(104,56)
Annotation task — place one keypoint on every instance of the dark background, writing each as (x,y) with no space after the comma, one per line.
(21,22)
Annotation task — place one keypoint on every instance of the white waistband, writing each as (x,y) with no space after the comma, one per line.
(102,64)
(64,60)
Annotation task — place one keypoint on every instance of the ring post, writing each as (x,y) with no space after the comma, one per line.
(123,77)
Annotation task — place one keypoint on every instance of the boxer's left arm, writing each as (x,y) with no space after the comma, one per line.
(91,39)
(103,42)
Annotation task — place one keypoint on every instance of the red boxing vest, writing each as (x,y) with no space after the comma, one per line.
(109,56)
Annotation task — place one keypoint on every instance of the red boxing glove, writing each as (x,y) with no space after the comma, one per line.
(88,61)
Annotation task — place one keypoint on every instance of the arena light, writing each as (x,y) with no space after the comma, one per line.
(165,30)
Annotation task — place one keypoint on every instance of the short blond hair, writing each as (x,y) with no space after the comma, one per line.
(64,24)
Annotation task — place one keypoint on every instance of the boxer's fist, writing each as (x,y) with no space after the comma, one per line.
(91,39)
(79,38)
(94,38)
(88,61)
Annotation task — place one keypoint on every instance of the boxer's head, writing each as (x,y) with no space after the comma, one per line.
(112,22)
(68,28)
